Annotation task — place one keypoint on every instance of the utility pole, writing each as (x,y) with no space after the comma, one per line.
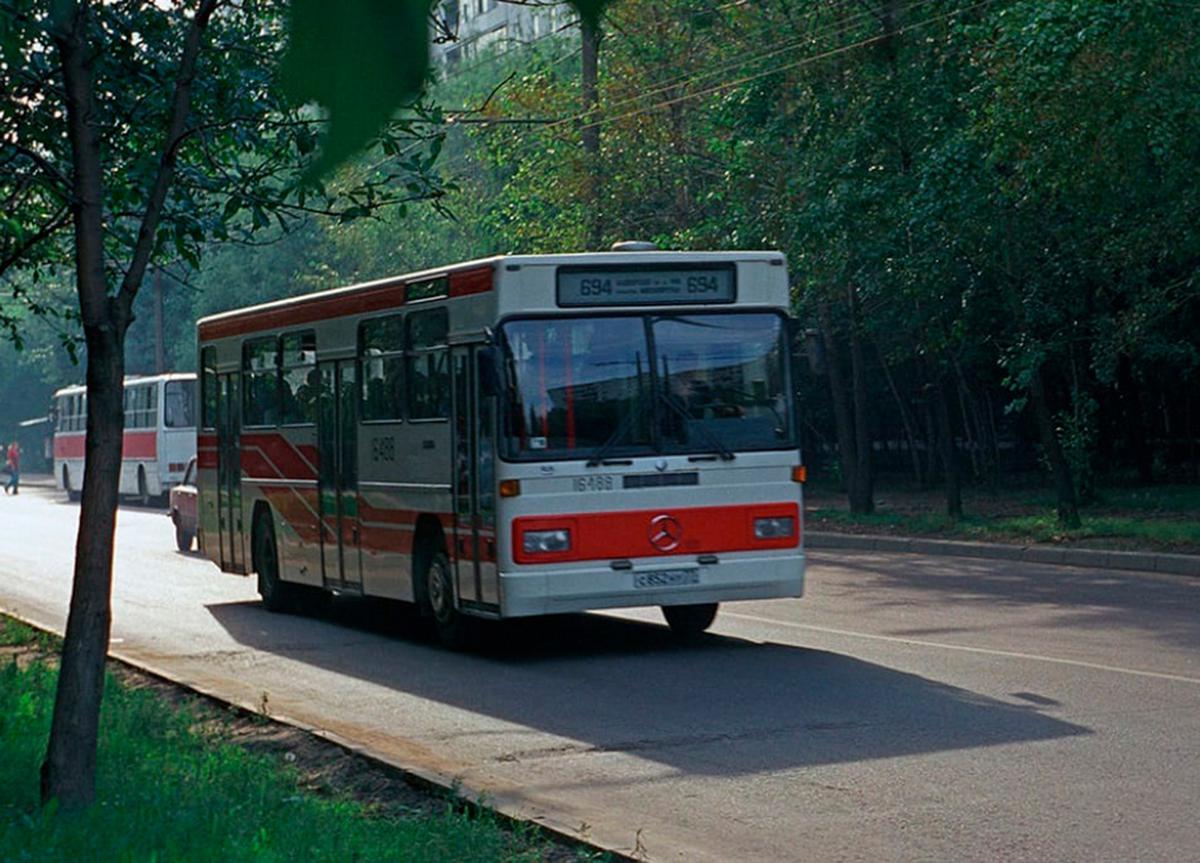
(590,131)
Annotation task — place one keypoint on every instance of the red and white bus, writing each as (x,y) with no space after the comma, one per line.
(159,438)
(516,436)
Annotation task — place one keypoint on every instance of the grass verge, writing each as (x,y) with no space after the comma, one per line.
(171,787)
(1114,531)
(1162,518)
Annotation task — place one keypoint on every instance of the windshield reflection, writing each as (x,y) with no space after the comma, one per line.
(617,386)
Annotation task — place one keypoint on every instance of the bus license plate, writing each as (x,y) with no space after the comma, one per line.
(666,578)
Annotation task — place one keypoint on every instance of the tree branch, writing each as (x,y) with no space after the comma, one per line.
(60,220)
(166,169)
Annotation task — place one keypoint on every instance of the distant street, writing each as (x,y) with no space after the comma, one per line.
(909,708)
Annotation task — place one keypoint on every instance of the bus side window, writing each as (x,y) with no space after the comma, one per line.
(298,382)
(260,382)
(428,365)
(381,352)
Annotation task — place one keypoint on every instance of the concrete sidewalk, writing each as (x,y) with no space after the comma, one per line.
(1174,564)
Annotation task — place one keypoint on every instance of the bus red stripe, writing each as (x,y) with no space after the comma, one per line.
(134,445)
(617,535)
(467,282)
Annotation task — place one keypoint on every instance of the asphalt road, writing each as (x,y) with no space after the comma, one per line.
(909,708)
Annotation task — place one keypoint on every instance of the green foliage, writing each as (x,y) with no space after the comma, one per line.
(340,54)
(166,791)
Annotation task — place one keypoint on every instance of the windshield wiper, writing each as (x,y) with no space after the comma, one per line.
(724,451)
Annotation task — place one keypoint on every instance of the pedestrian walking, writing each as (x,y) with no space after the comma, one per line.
(12,466)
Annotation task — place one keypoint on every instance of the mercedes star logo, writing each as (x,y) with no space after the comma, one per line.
(665,532)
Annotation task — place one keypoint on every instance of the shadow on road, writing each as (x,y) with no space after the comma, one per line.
(1165,607)
(725,706)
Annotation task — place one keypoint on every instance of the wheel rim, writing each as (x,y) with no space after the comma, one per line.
(439,594)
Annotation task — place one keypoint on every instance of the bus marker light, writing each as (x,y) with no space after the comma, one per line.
(800,473)
(510,487)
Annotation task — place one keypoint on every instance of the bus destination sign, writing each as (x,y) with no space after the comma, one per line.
(645,286)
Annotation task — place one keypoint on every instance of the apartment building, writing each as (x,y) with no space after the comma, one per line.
(469,28)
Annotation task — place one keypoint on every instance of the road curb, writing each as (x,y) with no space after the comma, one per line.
(424,779)
(1136,561)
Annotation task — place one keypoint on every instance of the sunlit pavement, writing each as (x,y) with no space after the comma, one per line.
(908,709)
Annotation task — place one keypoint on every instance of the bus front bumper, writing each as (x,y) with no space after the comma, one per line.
(656,581)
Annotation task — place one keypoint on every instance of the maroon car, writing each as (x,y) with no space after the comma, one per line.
(183,508)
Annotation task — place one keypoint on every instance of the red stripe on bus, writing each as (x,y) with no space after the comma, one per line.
(375,540)
(271,455)
(297,507)
(138,444)
(206,459)
(69,446)
(466,282)
(306,311)
(694,530)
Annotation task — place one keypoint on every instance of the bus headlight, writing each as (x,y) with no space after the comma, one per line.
(546,541)
(776,527)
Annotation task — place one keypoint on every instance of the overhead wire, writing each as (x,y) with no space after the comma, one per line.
(804,61)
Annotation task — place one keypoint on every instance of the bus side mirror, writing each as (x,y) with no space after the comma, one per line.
(488,367)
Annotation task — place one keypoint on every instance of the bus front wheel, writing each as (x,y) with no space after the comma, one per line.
(690,621)
(451,627)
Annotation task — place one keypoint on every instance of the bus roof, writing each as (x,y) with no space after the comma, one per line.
(73,389)
(212,326)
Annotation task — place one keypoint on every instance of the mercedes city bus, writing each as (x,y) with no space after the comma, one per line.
(523,435)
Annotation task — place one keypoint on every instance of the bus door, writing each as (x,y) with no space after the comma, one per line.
(474,484)
(337,441)
(229,473)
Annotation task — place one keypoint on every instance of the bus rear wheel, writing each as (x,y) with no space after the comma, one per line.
(143,489)
(690,621)
(452,628)
(275,594)
(72,494)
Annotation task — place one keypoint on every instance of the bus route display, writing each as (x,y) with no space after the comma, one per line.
(645,286)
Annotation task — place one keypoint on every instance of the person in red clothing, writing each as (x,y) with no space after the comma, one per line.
(12,465)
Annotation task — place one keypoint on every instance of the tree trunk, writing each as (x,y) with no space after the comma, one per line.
(69,770)
(906,419)
(948,452)
(68,773)
(1064,486)
(841,401)
(862,490)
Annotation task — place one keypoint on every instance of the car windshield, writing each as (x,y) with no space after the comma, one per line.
(616,386)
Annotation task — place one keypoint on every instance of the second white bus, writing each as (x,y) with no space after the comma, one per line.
(158,441)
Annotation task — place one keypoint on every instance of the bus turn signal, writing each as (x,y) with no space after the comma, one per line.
(800,473)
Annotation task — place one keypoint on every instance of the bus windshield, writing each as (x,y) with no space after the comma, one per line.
(179,409)
(620,386)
